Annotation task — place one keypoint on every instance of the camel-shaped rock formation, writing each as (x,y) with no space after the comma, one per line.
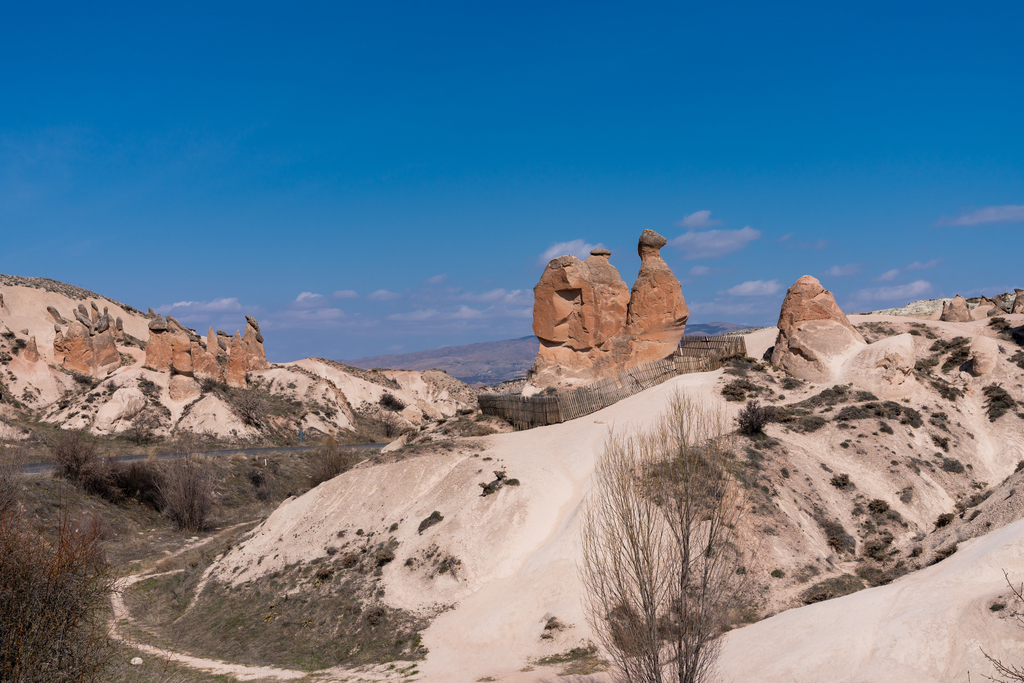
(176,349)
(590,325)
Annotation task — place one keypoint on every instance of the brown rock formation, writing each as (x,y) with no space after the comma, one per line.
(246,354)
(57,318)
(76,348)
(119,329)
(104,350)
(31,352)
(94,312)
(181,353)
(956,311)
(204,364)
(657,310)
(813,332)
(589,323)
(158,349)
(1018,302)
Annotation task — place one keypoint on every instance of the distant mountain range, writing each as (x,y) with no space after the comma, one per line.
(488,362)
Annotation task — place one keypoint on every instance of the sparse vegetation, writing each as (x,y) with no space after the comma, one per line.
(389,401)
(998,401)
(753,418)
(834,587)
(434,518)
(187,491)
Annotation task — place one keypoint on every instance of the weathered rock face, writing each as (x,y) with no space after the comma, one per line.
(589,323)
(657,310)
(76,348)
(31,352)
(204,364)
(1018,302)
(158,349)
(246,354)
(956,311)
(814,333)
(984,355)
(884,368)
(182,388)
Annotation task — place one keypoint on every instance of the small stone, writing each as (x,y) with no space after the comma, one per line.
(136,661)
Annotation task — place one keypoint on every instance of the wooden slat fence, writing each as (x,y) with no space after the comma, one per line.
(695,354)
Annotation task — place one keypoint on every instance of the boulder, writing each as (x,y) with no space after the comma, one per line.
(815,337)
(884,368)
(157,324)
(31,352)
(657,314)
(1018,301)
(181,353)
(124,404)
(956,311)
(984,355)
(82,311)
(182,388)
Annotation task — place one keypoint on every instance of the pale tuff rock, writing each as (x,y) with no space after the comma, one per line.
(884,368)
(956,311)
(246,354)
(204,364)
(589,323)
(984,356)
(1018,302)
(814,333)
(119,329)
(75,348)
(124,404)
(211,343)
(182,388)
(57,318)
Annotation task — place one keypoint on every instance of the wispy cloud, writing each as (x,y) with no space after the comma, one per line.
(1007,213)
(383,295)
(577,248)
(905,292)
(844,271)
(786,237)
(221,305)
(713,243)
(888,276)
(436,280)
(345,294)
(309,300)
(917,265)
(701,271)
(414,316)
(755,288)
(515,296)
(699,219)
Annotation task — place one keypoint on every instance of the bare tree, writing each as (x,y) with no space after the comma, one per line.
(187,489)
(659,553)
(141,425)
(250,405)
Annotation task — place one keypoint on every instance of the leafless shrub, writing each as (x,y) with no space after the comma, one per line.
(53,592)
(753,417)
(390,423)
(187,490)
(330,460)
(78,460)
(11,459)
(659,558)
(141,425)
(250,406)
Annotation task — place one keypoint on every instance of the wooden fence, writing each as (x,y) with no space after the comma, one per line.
(695,354)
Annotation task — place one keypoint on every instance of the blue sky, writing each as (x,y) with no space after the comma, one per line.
(378,177)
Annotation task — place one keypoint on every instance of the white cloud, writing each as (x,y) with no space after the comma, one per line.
(844,271)
(467,313)
(309,300)
(436,280)
(755,288)
(577,248)
(714,243)
(699,219)
(907,292)
(220,305)
(786,237)
(345,294)
(516,296)
(382,295)
(888,276)
(917,265)
(1007,213)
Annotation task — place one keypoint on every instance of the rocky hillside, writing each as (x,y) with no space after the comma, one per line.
(73,359)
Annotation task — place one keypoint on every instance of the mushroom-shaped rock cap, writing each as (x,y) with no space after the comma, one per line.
(650,245)
(600,251)
(158,324)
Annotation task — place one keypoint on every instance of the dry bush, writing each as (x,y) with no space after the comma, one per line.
(78,460)
(753,417)
(142,424)
(187,490)
(390,423)
(1009,672)
(391,402)
(11,460)
(250,406)
(330,460)
(659,558)
(54,589)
